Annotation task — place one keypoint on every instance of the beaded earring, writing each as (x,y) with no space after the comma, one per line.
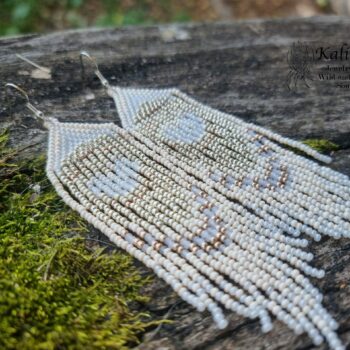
(272,199)
(211,204)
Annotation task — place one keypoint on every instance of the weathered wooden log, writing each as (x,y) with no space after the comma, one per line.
(239,68)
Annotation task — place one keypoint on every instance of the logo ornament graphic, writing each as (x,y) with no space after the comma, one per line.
(299,58)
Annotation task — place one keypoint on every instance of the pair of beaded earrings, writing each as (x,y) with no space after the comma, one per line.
(218,208)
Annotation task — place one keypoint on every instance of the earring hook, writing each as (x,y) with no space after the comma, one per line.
(97,71)
(38,114)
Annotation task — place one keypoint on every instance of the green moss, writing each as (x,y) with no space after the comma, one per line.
(56,293)
(321,145)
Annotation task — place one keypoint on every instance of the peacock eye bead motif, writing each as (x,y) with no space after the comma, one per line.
(187,128)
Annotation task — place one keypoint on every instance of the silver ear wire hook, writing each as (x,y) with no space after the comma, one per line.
(96,69)
(38,114)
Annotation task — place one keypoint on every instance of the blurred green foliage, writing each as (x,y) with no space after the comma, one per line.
(323,3)
(28,16)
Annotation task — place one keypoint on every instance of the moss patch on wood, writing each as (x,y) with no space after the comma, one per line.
(321,145)
(56,292)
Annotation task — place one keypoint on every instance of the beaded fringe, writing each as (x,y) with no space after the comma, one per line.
(214,206)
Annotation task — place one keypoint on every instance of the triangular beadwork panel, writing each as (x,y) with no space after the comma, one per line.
(64,138)
(129,101)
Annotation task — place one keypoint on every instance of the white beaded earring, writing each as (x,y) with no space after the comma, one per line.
(272,200)
(214,206)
